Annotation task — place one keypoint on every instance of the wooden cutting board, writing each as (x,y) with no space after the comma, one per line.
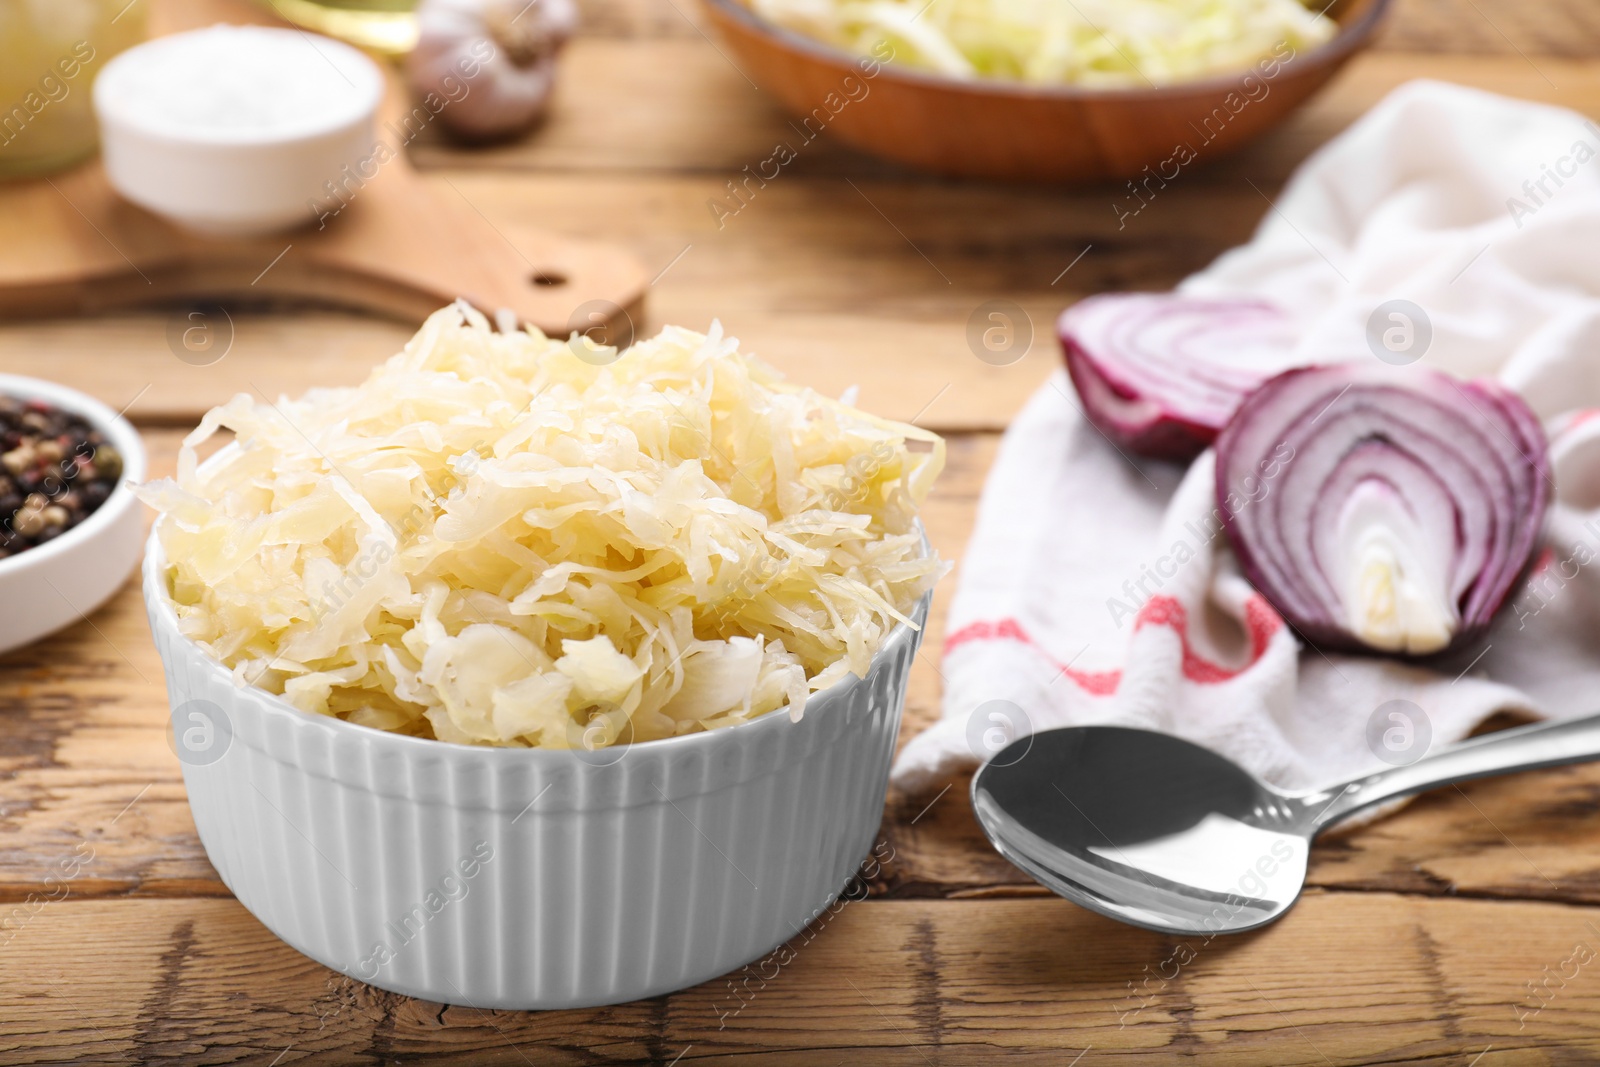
(398,246)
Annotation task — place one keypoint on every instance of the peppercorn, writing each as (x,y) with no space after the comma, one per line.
(18,459)
(108,461)
(55,470)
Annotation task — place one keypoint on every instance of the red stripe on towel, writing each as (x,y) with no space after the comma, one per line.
(1098,683)
(1261,622)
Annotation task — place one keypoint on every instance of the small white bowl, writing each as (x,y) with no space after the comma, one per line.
(59,582)
(518,878)
(238,130)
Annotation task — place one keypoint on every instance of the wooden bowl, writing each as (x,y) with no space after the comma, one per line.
(996,129)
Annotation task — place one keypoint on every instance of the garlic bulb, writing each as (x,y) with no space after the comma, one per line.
(488,65)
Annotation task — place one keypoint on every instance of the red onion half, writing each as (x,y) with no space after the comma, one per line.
(1380,507)
(1160,373)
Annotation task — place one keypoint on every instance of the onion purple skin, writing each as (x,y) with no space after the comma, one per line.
(1154,433)
(1161,394)
(1520,429)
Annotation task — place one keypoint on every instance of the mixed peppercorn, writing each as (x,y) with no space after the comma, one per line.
(55,470)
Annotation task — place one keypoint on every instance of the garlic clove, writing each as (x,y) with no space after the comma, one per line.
(486,68)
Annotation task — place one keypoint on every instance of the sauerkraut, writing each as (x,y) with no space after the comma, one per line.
(1090,43)
(505,539)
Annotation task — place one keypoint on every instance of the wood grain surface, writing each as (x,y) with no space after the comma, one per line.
(383,242)
(1465,929)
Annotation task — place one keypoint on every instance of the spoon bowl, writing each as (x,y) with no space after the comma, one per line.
(1145,827)
(1162,833)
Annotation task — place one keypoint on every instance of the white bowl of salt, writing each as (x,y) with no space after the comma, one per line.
(236,130)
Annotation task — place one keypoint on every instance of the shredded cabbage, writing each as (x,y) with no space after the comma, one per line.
(504,539)
(1090,43)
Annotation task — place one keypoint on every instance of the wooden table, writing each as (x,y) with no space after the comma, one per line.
(1464,930)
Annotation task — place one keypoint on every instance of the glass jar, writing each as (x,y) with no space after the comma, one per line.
(388,27)
(49,53)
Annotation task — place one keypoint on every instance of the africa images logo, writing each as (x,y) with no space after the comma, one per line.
(452,887)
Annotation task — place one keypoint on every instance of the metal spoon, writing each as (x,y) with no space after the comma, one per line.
(1161,833)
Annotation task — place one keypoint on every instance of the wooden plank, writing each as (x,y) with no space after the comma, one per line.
(1529,836)
(86,735)
(85,715)
(86,760)
(1345,978)
(71,245)
(872,284)
(842,271)
(404,247)
(159,366)
(707,118)
(1569,28)
(126,360)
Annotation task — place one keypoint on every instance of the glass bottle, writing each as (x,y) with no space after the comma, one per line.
(49,53)
(388,27)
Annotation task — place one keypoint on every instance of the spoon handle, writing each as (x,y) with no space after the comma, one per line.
(1522,748)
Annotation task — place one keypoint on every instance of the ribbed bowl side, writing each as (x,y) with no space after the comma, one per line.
(519,879)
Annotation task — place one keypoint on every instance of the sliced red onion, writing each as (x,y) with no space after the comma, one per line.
(1387,508)
(1161,373)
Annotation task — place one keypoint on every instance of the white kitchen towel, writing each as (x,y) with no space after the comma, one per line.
(1097,588)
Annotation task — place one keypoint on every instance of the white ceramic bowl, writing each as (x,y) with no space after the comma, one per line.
(516,878)
(238,129)
(62,581)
